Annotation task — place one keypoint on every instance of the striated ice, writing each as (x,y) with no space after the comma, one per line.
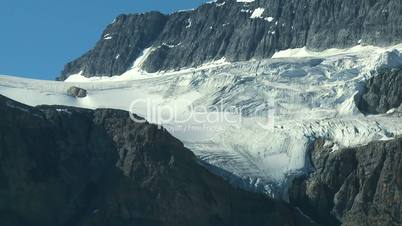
(286,102)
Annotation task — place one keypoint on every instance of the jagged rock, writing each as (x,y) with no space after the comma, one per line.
(353,186)
(76,167)
(226,29)
(382,93)
(121,43)
(76,92)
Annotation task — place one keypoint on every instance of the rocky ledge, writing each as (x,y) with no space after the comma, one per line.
(382,92)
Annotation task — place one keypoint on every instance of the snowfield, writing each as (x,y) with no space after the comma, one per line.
(253,121)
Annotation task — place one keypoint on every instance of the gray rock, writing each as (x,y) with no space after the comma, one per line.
(121,43)
(353,186)
(225,29)
(68,166)
(76,92)
(382,93)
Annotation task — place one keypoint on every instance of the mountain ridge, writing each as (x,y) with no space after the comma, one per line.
(240,31)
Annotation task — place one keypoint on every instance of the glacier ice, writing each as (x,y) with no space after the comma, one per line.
(286,102)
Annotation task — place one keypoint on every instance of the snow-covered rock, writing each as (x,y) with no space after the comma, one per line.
(75,91)
(388,60)
(248,1)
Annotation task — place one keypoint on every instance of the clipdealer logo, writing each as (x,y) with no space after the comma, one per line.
(184,115)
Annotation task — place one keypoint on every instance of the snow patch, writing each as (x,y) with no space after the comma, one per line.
(63,110)
(348,107)
(335,148)
(142,58)
(246,1)
(390,59)
(107,37)
(184,10)
(374,51)
(391,111)
(189,23)
(328,144)
(257,13)
(136,73)
(171,46)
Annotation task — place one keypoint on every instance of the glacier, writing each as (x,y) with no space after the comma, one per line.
(252,122)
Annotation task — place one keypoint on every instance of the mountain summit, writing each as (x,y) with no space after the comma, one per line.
(237,30)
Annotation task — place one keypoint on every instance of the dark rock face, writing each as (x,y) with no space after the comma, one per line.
(121,43)
(225,29)
(76,92)
(356,186)
(383,92)
(76,167)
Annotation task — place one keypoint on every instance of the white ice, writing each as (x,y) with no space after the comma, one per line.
(285,102)
(257,13)
(269,19)
(189,23)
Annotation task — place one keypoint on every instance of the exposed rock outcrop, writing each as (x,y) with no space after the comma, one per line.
(383,92)
(76,92)
(121,43)
(238,31)
(353,186)
(77,167)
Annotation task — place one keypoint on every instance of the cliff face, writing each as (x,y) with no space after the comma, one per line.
(355,186)
(383,92)
(121,43)
(238,31)
(69,166)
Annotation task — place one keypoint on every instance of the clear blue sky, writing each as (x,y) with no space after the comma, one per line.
(39,36)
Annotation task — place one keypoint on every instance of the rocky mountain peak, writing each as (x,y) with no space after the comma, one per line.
(237,30)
